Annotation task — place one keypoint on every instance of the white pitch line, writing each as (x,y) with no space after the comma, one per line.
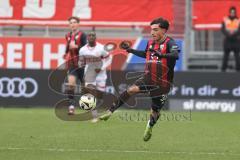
(121,151)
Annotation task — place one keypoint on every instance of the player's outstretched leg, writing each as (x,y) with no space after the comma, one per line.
(157,104)
(152,121)
(120,101)
(147,133)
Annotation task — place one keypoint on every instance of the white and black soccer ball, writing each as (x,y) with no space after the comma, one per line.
(87,102)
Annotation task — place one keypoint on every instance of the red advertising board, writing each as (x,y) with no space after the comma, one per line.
(42,53)
(91,12)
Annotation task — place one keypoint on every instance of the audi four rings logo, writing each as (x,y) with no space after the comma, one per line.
(18,87)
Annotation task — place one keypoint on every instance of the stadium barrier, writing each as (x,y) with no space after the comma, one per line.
(196,91)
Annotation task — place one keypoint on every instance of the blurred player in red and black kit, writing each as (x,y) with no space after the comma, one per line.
(74,41)
(161,54)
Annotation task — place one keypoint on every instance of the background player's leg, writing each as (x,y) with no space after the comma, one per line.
(101,84)
(80,72)
(70,89)
(92,89)
(100,90)
(90,82)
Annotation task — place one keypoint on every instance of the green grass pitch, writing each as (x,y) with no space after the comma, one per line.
(37,134)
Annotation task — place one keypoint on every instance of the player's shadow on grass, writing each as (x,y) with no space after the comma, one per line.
(61,109)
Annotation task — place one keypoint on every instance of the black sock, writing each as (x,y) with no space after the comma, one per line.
(70,95)
(153,120)
(120,101)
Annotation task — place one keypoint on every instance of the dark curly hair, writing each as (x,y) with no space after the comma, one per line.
(163,23)
(73,17)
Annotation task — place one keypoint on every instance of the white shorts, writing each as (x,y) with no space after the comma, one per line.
(96,79)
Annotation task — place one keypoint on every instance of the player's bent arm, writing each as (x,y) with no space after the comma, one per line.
(137,52)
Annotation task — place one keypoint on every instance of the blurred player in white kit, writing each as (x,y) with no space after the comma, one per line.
(96,60)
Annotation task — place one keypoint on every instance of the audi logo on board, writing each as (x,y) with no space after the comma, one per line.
(18,87)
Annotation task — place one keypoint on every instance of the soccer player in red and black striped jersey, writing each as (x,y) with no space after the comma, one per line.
(75,39)
(161,54)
